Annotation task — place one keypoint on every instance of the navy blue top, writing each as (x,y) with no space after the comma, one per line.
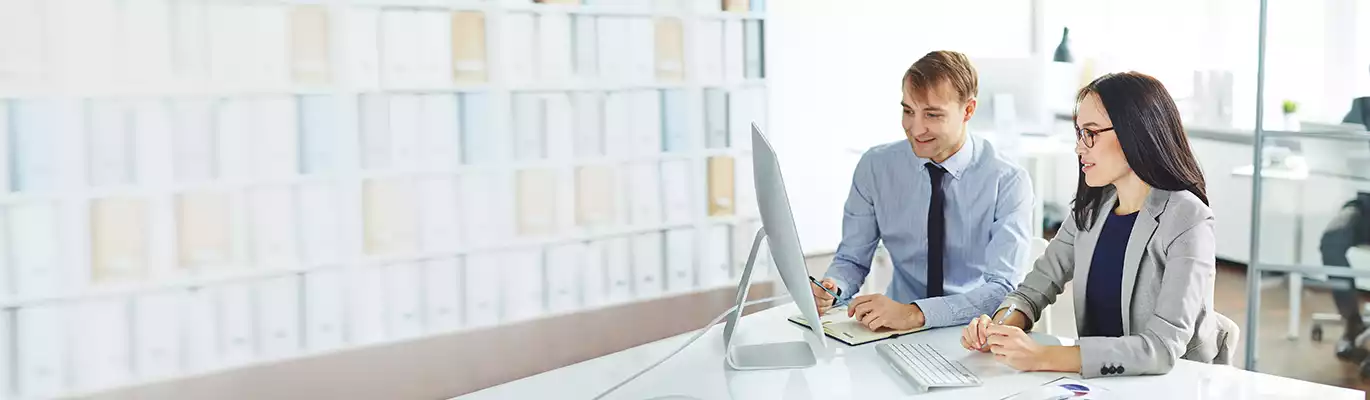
(1103,295)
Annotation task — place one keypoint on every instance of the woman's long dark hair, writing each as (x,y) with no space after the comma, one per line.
(1148,127)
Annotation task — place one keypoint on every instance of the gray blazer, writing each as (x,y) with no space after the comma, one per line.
(1167,302)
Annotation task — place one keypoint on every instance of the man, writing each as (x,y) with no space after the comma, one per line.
(1350,228)
(953,213)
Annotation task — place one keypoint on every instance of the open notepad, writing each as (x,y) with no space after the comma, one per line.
(837,324)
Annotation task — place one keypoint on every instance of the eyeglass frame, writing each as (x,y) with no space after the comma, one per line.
(1080,135)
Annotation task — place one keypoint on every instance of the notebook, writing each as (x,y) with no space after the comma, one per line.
(839,326)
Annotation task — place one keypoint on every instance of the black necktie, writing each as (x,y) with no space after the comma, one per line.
(937,231)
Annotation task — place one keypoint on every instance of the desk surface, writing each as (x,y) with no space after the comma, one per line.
(845,372)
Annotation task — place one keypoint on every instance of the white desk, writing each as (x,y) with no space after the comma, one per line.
(859,373)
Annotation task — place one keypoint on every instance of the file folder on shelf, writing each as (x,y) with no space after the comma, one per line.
(84,55)
(721,200)
(152,133)
(403,294)
(643,187)
(119,231)
(530,140)
(404,117)
(37,127)
(439,133)
(596,196)
(321,224)
(238,337)
(755,49)
(196,156)
(488,207)
(735,5)
(715,267)
(309,44)
(680,260)
(373,112)
(233,135)
(675,126)
(42,350)
(522,280)
(614,57)
(189,24)
(678,190)
(559,126)
(363,44)
(278,312)
(618,269)
(365,305)
(537,202)
(565,264)
(157,325)
(320,132)
(483,287)
(744,193)
(646,122)
(400,49)
(640,49)
(518,47)
(200,313)
(391,223)
(275,146)
(100,350)
(706,62)
(443,290)
(468,47)
(734,51)
(589,124)
(586,43)
(554,47)
(325,317)
(146,26)
(594,285)
(435,63)
(481,143)
(272,215)
(716,118)
(648,270)
(21,50)
(440,228)
(618,124)
(204,229)
(111,144)
(34,245)
(670,50)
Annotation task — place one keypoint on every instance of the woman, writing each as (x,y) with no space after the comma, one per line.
(1138,243)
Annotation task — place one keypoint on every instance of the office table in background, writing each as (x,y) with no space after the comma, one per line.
(845,372)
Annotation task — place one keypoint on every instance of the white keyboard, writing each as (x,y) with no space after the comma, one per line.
(925,367)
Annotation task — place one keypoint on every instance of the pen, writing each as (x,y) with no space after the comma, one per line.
(1011,308)
(825,289)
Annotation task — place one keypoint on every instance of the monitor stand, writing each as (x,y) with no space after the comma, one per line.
(784,355)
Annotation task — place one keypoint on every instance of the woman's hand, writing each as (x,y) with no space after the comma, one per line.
(974,334)
(1016,349)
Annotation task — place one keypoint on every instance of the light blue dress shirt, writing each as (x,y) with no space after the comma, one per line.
(988,211)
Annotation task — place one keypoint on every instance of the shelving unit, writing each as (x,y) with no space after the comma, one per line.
(257,180)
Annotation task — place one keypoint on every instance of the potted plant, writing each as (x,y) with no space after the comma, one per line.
(1291,115)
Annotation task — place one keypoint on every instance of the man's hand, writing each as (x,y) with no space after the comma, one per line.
(876,311)
(822,298)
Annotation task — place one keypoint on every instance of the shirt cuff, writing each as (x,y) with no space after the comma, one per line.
(936,312)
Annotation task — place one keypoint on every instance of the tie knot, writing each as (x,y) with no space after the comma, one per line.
(935,170)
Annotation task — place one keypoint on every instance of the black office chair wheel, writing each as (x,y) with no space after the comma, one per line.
(1316,334)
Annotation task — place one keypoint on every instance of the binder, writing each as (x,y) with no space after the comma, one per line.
(647,125)
(202,324)
(100,352)
(611,45)
(33,240)
(735,5)
(309,45)
(468,47)
(440,229)
(234,133)
(480,142)
(196,155)
(278,307)
(716,266)
(389,218)
(716,119)
(157,326)
(537,202)
(594,285)
(677,187)
(648,270)
(721,200)
(276,138)
(530,140)
(488,207)
(204,229)
(734,50)
(680,260)
(618,125)
(640,43)
(404,316)
(267,45)
(707,59)
(517,37)
(559,127)
(670,50)
(589,124)
(110,143)
(400,48)
(21,50)
(405,113)
(365,305)
(522,282)
(374,113)
(618,269)
(190,35)
(321,224)
(643,187)
(272,217)
(755,49)
(33,152)
(586,43)
(84,55)
(363,44)
(757,5)
(744,192)
(435,48)
(596,199)
(42,350)
(741,115)
(564,266)
(229,40)
(443,291)
(324,316)
(119,233)
(152,142)
(439,133)
(320,132)
(675,126)
(483,288)
(554,47)
(238,338)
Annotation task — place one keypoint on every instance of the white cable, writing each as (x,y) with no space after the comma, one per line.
(688,342)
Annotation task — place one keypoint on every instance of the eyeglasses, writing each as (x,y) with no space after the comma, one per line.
(1087,136)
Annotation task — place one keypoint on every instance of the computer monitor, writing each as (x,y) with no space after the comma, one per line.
(779,230)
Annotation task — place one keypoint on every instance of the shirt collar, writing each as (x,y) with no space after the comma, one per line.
(958,163)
